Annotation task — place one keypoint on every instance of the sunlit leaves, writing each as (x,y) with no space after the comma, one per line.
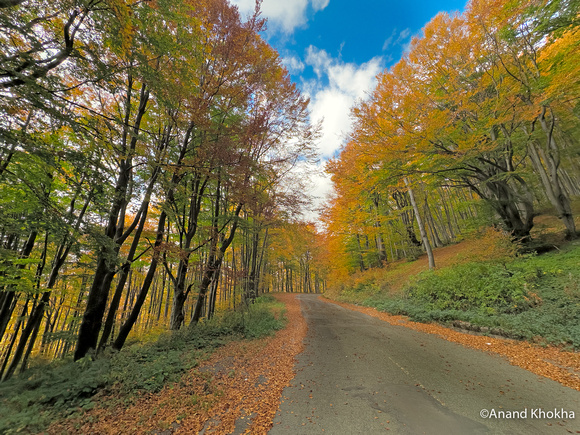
(461,109)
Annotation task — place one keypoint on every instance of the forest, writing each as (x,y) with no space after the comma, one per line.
(151,198)
(146,157)
(477,125)
(148,148)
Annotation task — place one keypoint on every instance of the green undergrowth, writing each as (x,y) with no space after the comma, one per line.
(30,402)
(532,297)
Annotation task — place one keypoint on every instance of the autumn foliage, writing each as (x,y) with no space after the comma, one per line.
(478,121)
(144,161)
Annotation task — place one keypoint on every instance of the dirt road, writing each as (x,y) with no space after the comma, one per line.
(360,375)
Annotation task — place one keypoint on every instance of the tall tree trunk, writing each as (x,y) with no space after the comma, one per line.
(213,264)
(402,204)
(431,224)
(251,289)
(106,260)
(424,238)
(143,211)
(379,237)
(180,292)
(361,260)
(10,297)
(13,340)
(514,209)
(447,215)
(128,324)
(551,178)
(260,265)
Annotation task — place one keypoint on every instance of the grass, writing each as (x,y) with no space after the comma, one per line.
(532,297)
(29,403)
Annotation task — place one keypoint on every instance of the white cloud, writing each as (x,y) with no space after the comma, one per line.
(332,106)
(319,60)
(319,5)
(404,35)
(322,190)
(389,41)
(316,185)
(283,15)
(293,64)
(245,6)
(397,39)
(347,83)
(334,91)
(322,187)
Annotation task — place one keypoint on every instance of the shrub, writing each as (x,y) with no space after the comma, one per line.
(535,297)
(489,288)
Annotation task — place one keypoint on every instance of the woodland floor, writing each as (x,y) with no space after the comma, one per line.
(236,390)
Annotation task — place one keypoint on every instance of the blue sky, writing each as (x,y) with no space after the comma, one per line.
(356,35)
(335,48)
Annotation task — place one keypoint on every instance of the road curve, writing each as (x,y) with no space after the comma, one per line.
(360,375)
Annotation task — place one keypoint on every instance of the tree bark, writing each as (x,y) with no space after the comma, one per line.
(424,238)
(143,212)
(105,271)
(213,264)
(554,189)
(128,325)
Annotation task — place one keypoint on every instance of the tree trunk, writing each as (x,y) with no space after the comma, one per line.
(551,177)
(106,261)
(144,210)
(128,325)
(10,297)
(424,238)
(213,265)
(180,293)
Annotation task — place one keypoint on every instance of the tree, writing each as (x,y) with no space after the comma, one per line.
(424,237)
(143,62)
(485,101)
(139,135)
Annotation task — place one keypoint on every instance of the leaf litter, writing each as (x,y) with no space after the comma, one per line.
(236,390)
